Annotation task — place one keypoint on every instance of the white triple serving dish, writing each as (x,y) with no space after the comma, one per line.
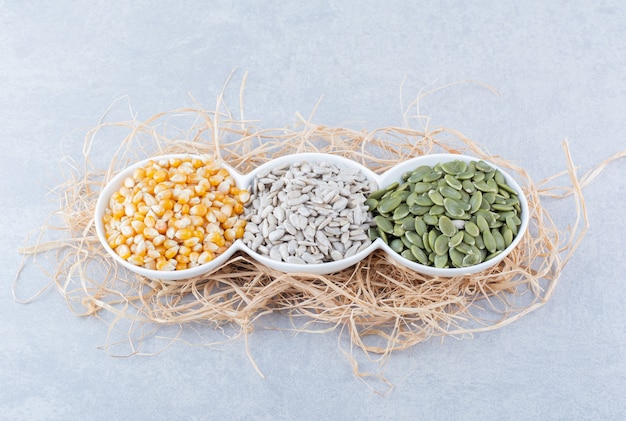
(245,181)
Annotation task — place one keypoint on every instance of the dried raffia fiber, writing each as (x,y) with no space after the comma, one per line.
(381,306)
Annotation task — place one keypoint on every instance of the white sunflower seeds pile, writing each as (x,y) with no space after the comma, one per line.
(308,213)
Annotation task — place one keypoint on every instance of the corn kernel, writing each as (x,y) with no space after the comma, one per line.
(150,233)
(190,242)
(164,264)
(135,260)
(153,254)
(161,226)
(199,210)
(184,233)
(149,221)
(171,252)
(169,243)
(216,238)
(158,240)
(160,176)
(123,251)
(183,222)
(139,174)
(141,250)
(205,257)
(230,234)
(182,258)
(238,209)
(220,216)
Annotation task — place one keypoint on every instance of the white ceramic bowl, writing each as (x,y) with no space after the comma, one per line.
(246,180)
(395,174)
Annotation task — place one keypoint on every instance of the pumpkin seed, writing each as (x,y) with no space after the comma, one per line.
(432,176)
(419,173)
(463,248)
(430,219)
(500,244)
(482,223)
(456,239)
(511,224)
(499,177)
(475,201)
(485,187)
(373,234)
(425,242)
(441,260)
(413,238)
(472,229)
(383,236)
(453,182)
(407,243)
(400,212)
(507,235)
(419,210)
(471,259)
(465,175)
(396,245)
(398,231)
(501,207)
(456,257)
(376,195)
(468,239)
(408,223)
(407,254)
(422,187)
(411,199)
(419,255)
(402,194)
(371,203)
(468,186)
(437,210)
(507,188)
(440,247)
(479,176)
(490,241)
(446,226)
(420,226)
(432,237)
(478,242)
(454,167)
(483,166)
(389,204)
(450,192)
(490,197)
(424,200)
(435,197)
(453,207)
(383,224)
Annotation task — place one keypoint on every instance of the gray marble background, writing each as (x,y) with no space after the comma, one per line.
(560,70)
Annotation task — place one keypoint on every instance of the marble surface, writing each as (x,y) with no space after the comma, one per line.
(559,70)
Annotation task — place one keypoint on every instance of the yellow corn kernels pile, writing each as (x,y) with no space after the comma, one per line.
(175,214)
